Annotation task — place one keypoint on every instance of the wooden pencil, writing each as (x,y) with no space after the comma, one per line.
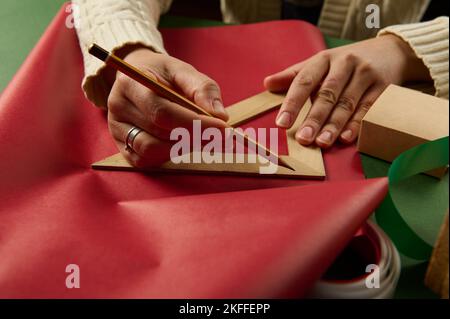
(165,91)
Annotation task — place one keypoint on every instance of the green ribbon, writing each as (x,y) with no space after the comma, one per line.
(419,159)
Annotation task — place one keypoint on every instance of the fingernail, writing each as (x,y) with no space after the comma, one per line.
(306,133)
(347,135)
(218,106)
(284,119)
(325,137)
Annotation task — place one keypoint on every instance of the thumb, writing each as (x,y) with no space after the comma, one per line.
(207,95)
(202,90)
(281,81)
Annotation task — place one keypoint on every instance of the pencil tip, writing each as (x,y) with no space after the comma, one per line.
(286,165)
(98,52)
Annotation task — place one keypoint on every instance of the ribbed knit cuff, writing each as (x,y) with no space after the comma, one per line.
(114,25)
(429,41)
(332,19)
(113,36)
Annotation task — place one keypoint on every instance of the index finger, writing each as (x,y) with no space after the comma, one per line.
(301,88)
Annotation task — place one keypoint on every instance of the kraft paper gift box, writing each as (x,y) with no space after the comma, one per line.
(400,119)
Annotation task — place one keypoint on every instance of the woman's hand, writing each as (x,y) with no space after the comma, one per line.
(131,104)
(347,80)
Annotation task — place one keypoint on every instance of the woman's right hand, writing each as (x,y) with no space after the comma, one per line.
(132,104)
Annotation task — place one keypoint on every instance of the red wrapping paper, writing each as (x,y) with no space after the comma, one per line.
(162,236)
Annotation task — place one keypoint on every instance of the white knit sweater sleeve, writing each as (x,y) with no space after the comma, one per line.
(114,24)
(429,40)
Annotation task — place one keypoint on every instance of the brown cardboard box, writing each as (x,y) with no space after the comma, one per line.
(437,274)
(400,119)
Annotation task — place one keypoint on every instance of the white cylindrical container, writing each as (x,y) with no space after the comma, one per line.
(368,268)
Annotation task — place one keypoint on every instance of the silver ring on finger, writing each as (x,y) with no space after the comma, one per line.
(131,136)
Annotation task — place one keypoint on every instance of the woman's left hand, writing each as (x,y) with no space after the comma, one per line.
(347,80)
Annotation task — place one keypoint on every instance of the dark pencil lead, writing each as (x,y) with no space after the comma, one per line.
(98,52)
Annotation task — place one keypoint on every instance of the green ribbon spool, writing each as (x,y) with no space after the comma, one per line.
(419,159)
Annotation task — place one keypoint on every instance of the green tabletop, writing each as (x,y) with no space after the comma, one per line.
(424,198)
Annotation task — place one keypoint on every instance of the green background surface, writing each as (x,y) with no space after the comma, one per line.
(423,199)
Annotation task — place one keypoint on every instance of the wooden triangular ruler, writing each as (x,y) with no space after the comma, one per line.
(307,161)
